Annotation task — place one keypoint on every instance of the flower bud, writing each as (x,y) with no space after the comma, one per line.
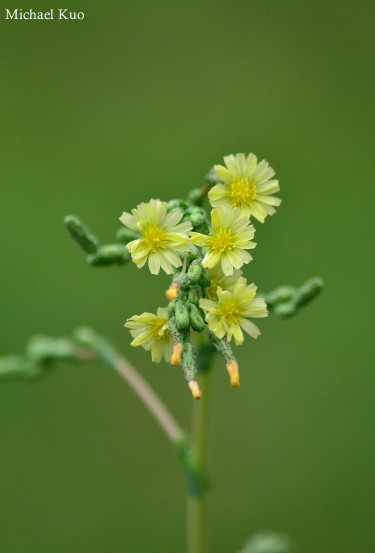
(197,217)
(80,234)
(285,310)
(308,291)
(195,271)
(211,178)
(195,294)
(182,315)
(126,235)
(196,319)
(280,295)
(205,279)
(193,385)
(171,308)
(111,254)
(195,197)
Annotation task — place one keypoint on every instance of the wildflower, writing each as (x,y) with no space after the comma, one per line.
(152,333)
(218,278)
(161,236)
(232,311)
(247,185)
(228,241)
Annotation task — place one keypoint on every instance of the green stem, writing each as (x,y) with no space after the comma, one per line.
(196,501)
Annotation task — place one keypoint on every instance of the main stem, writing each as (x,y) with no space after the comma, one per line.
(196,500)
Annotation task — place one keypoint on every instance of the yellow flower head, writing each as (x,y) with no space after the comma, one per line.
(218,278)
(232,311)
(152,333)
(228,240)
(247,185)
(160,236)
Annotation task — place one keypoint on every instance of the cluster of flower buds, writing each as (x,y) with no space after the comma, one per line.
(185,314)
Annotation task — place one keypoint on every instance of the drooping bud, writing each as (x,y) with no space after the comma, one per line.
(280,295)
(195,317)
(195,294)
(308,291)
(44,349)
(189,369)
(195,271)
(176,354)
(126,235)
(182,315)
(285,310)
(111,254)
(232,368)
(80,234)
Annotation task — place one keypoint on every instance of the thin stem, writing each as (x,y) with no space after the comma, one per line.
(148,397)
(196,504)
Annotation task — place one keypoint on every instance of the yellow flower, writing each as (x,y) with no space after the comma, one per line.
(232,311)
(160,236)
(228,240)
(247,185)
(152,333)
(218,278)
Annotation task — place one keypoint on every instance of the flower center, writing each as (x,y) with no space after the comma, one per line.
(222,241)
(156,327)
(229,310)
(242,192)
(154,238)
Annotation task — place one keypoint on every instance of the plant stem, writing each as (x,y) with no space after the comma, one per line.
(196,500)
(149,398)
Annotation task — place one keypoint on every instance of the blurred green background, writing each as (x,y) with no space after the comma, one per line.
(140,100)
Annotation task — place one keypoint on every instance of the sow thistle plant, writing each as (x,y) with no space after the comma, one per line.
(209,307)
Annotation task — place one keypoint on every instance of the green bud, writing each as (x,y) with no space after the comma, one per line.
(211,178)
(182,315)
(182,281)
(196,320)
(177,203)
(308,291)
(280,295)
(43,349)
(195,196)
(197,217)
(109,255)
(205,279)
(195,294)
(188,362)
(17,366)
(195,271)
(171,308)
(126,235)
(194,253)
(80,234)
(285,310)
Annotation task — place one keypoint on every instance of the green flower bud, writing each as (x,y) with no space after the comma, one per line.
(126,235)
(182,315)
(194,253)
(285,310)
(205,279)
(177,203)
(195,271)
(197,217)
(43,349)
(17,366)
(182,281)
(268,542)
(195,197)
(195,294)
(211,178)
(80,234)
(196,319)
(109,255)
(171,308)
(280,295)
(173,329)
(188,362)
(308,291)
